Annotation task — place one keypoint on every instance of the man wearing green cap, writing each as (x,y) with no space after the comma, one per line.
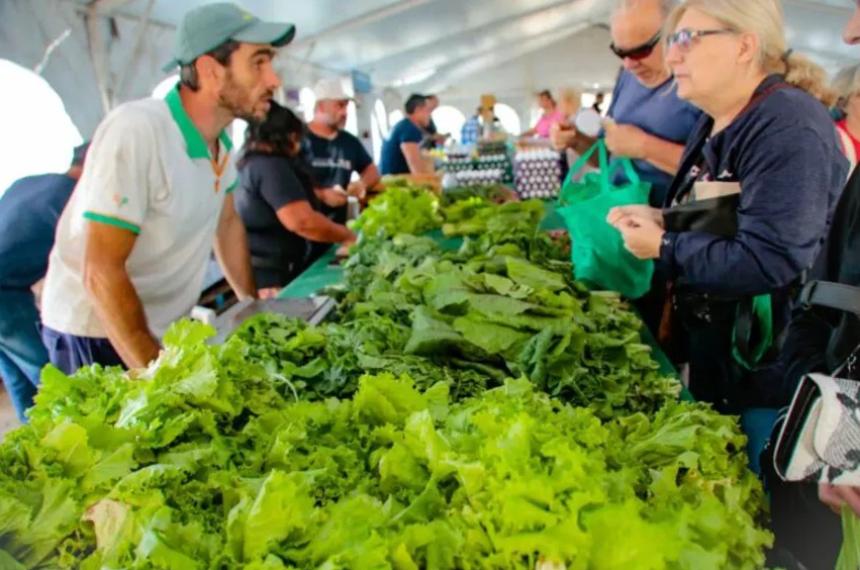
(155,197)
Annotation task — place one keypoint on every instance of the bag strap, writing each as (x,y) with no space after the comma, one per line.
(603,160)
(753,323)
(839,296)
(629,171)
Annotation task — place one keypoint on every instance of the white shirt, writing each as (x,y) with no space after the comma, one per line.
(149,171)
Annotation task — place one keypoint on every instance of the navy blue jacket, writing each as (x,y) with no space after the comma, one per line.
(785,155)
(29,211)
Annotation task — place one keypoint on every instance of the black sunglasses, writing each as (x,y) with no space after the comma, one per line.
(639,52)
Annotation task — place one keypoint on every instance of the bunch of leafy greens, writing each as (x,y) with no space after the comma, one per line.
(327,361)
(401,209)
(206,460)
(507,317)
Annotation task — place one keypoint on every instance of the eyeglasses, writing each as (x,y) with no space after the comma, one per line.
(638,53)
(684,38)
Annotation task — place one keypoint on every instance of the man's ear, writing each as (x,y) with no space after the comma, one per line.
(209,70)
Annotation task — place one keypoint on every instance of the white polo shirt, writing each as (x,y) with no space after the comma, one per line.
(148,171)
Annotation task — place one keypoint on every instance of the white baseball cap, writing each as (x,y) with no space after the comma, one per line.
(331,90)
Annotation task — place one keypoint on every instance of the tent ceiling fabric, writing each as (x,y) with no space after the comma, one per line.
(456,47)
(431,35)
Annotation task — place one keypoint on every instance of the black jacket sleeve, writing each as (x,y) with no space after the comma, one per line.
(820,339)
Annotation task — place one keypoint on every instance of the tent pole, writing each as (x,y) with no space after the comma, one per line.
(137,53)
(98,55)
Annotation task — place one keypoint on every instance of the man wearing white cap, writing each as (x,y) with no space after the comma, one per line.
(334,153)
(156,197)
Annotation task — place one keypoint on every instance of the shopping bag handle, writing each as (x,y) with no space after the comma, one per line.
(629,171)
(603,161)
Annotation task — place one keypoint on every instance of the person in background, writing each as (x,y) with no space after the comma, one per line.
(847,86)
(551,116)
(156,194)
(29,211)
(598,103)
(569,104)
(335,154)
(401,152)
(470,134)
(768,139)
(432,137)
(274,199)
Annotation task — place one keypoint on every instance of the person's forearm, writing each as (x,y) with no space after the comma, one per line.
(121,313)
(417,165)
(320,229)
(370,177)
(231,249)
(663,154)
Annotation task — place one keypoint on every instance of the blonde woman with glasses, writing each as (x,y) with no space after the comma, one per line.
(761,174)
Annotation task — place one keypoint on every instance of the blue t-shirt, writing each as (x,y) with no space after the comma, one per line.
(657,111)
(393,161)
(29,211)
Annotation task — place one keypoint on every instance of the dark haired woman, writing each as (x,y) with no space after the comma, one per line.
(274,200)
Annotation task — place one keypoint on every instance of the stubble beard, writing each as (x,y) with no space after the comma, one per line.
(235,100)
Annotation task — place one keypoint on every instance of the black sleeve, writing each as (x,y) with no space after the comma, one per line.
(360,157)
(278,183)
(811,333)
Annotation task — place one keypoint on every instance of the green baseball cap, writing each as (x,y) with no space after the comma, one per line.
(207,27)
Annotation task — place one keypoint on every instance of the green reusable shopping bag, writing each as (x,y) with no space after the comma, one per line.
(598,254)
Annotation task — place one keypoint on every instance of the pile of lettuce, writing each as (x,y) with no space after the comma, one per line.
(401,209)
(207,460)
(469,406)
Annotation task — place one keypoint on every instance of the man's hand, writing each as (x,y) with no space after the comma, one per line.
(642,236)
(626,140)
(562,136)
(618,214)
(837,497)
(357,189)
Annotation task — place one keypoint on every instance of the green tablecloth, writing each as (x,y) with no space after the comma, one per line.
(325,272)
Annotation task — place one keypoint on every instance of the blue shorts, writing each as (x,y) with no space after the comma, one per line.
(69,352)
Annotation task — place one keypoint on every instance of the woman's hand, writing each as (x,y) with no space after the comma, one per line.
(642,236)
(837,497)
(618,214)
(268,293)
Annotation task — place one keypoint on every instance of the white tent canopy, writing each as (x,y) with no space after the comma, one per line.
(98,53)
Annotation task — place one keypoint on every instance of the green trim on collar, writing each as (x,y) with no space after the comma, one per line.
(112,221)
(194,142)
(232,187)
(226,142)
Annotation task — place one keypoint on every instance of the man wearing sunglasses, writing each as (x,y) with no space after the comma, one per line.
(649,123)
